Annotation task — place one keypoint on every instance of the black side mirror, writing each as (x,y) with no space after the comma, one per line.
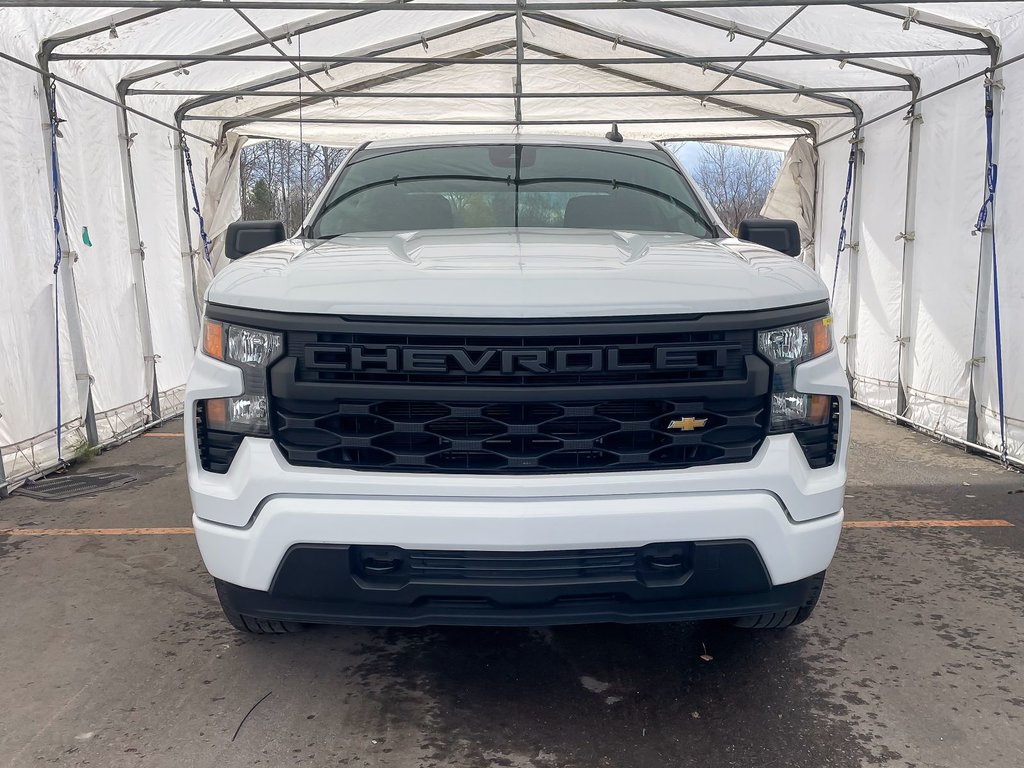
(781,235)
(244,237)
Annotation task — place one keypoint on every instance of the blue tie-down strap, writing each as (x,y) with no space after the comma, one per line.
(988,207)
(843,208)
(195,200)
(57,257)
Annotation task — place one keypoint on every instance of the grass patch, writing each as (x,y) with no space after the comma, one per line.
(82,452)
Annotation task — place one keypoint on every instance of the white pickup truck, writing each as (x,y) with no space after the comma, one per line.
(516,381)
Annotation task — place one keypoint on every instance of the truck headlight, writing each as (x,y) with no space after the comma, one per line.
(794,410)
(252,351)
(798,343)
(786,348)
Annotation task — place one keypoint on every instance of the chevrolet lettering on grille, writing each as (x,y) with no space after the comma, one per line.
(495,360)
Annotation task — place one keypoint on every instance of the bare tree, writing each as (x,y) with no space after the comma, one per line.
(736,180)
(281,179)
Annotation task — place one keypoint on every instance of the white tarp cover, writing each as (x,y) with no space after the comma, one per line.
(792,195)
(914,299)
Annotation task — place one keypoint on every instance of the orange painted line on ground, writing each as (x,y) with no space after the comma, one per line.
(163,434)
(927,524)
(187,531)
(94,531)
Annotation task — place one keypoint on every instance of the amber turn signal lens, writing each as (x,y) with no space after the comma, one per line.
(818,413)
(217,413)
(821,336)
(213,339)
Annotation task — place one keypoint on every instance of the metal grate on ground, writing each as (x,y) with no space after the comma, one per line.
(69,486)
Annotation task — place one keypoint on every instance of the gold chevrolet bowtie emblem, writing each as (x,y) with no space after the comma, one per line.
(687,424)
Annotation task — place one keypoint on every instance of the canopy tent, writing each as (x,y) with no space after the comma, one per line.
(125,119)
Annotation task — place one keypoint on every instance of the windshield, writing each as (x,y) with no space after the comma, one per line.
(464,187)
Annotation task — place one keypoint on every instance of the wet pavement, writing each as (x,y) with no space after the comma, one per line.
(113,650)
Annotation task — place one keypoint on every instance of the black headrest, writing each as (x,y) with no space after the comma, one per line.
(396,210)
(586,212)
(628,210)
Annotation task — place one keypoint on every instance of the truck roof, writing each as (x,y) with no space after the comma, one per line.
(499,138)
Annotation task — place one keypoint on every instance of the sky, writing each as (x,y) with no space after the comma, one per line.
(688,153)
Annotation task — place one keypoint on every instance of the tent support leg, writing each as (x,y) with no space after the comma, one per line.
(79,357)
(138,264)
(520,55)
(4,492)
(982,318)
(854,245)
(185,238)
(907,267)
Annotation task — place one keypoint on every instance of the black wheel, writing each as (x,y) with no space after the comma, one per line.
(253,625)
(783,619)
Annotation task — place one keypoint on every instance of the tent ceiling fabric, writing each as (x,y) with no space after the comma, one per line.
(753,72)
(164,49)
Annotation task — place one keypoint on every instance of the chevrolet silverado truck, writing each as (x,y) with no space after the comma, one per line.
(516,381)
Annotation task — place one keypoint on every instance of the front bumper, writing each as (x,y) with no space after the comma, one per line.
(328,585)
(250,555)
(248,519)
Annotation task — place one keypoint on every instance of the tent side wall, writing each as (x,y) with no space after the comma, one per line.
(931,355)
(1009,235)
(34,306)
(915,318)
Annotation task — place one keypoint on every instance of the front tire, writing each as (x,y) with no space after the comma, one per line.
(253,625)
(788,618)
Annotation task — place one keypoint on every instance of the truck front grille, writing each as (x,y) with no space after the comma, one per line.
(519,396)
(517,437)
(614,357)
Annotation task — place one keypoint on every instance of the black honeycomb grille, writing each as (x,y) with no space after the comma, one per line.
(511,437)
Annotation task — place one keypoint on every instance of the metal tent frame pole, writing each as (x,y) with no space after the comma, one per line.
(903,336)
(512,122)
(696,60)
(520,55)
(433,5)
(69,291)
(192,298)
(733,139)
(986,249)
(853,261)
(679,92)
(138,255)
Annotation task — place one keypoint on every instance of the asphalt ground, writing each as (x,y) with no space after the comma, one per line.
(114,652)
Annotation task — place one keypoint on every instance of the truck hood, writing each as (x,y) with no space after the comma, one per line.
(512,273)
